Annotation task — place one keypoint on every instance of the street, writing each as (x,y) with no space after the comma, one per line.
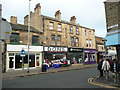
(67,79)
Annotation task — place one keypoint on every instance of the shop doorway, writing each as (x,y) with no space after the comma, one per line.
(11,62)
(37,61)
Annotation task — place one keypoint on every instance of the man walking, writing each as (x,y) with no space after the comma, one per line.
(100,67)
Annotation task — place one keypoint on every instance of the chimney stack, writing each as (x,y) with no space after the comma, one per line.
(58,15)
(73,20)
(13,19)
(37,9)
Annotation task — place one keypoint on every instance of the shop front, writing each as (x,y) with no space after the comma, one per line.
(90,56)
(75,55)
(55,53)
(14,58)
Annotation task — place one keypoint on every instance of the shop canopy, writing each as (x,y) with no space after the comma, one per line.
(113,40)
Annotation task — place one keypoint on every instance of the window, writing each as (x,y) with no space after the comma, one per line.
(72,41)
(102,47)
(86,43)
(51,25)
(77,31)
(90,42)
(77,42)
(90,33)
(53,40)
(35,40)
(14,38)
(58,40)
(71,29)
(85,32)
(59,27)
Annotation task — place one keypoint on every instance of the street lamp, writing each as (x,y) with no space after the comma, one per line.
(28,34)
(105,46)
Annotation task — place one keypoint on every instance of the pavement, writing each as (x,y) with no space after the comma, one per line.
(101,81)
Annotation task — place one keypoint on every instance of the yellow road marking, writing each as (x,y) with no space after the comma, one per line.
(91,81)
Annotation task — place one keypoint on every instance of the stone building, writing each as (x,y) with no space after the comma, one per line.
(18,41)
(112,11)
(110,50)
(60,35)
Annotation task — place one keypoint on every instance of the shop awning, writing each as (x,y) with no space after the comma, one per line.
(113,39)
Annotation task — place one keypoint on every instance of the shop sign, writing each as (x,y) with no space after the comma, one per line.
(57,49)
(75,49)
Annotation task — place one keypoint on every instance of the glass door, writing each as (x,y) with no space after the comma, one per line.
(11,62)
(37,61)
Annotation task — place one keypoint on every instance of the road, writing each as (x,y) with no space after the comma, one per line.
(67,79)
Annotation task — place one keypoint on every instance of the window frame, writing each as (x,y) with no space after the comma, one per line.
(87,44)
(85,32)
(77,43)
(77,31)
(51,25)
(13,39)
(90,43)
(72,42)
(38,40)
(58,40)
(71,30)
(53,40)
(59,27)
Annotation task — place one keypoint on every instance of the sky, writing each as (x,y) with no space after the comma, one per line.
(88,13)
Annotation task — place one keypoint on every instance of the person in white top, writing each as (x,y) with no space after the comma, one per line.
(106,68)
(105,65)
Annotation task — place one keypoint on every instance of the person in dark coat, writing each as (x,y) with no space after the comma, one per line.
(100,67)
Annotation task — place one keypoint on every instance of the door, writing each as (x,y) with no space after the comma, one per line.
(37,61)
(11,62)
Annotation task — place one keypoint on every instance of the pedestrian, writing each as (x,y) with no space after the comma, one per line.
(100,67)
(106,68)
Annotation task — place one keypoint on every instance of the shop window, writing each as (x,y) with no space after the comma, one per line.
(51,25)
(59,27)
(35,40)
(71,29)
(102,47)
(58,40)
(14,38)
(90,42)
(72,41)
(77,42)
(86,43)
(53,40)
(77,31)
(85,32)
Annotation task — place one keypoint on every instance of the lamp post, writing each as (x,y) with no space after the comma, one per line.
(28,34)
(106,73)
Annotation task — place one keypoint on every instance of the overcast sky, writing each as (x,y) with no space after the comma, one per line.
(89,13)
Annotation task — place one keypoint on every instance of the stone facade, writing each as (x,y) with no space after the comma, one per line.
(39,21)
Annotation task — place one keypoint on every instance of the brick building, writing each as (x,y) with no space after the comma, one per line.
(18,41)
(62,35)
(112,11)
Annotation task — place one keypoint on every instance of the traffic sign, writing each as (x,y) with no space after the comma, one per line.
(5,29)
(22,52)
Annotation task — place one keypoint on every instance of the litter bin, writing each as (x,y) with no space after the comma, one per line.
(44,68)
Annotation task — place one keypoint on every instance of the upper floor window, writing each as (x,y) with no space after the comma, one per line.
(51,25)
(35,40)
(58,40)
(77,42)
(52,39)
(14,38)
(59,27)
(77,31)
(87,43)
(90,42)
(72,41)
(85,32)
(90,33)
(71,29)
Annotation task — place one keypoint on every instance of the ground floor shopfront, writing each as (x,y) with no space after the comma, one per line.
(90,56)
(14,58)
(55,53)
(75,55)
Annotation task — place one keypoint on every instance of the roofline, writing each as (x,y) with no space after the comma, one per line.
(66,22)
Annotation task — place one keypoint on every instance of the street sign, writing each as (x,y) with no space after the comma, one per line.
(22,52)
(5,29)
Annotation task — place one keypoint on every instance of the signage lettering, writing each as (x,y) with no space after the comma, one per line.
(56,49)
